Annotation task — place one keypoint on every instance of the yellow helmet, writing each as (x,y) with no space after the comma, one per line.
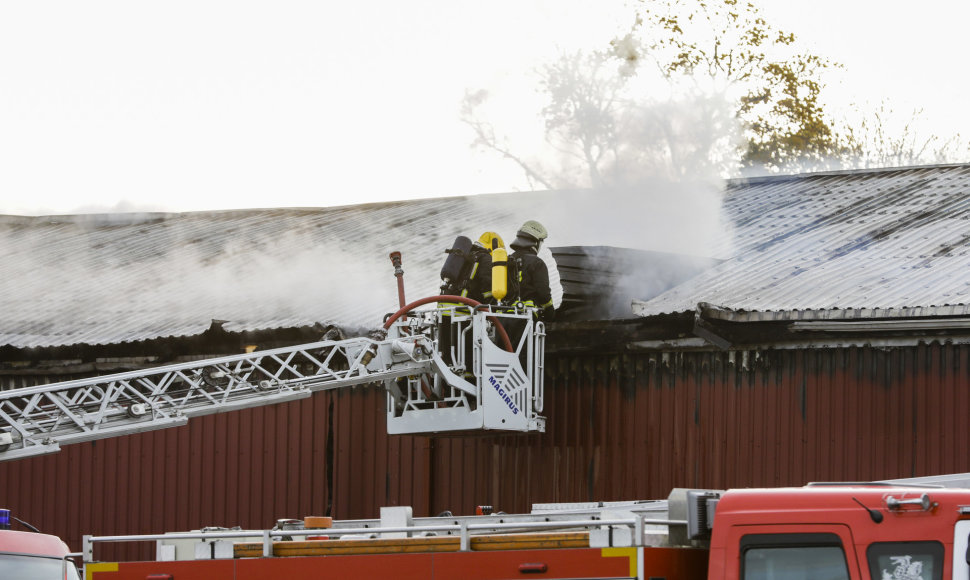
(491,240)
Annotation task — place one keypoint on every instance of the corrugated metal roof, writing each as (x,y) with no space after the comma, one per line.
(833,245)
(844,244)
(109,279)
(104,279)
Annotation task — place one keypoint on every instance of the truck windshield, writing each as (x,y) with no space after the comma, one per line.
(806,563)
(20,567)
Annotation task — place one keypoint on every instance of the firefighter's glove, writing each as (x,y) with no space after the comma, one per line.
(547,314)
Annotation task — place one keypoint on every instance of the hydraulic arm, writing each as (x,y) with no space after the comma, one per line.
(477,385)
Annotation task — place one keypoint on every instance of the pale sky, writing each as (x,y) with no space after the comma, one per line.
(211,104)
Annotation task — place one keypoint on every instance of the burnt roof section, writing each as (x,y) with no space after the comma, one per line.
(601,282)
(888,243)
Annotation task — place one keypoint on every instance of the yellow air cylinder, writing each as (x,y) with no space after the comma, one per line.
(500,268)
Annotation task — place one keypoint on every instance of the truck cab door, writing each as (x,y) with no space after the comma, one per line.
(791,552)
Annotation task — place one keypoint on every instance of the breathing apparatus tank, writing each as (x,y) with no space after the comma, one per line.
(455,262)
(500,264)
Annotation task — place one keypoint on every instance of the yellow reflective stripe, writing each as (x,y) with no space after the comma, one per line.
(630,553)
(91,569)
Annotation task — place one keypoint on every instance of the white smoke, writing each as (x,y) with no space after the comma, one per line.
(659,185)
(118,277)
(664,195)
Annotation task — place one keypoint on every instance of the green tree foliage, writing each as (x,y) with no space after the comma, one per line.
(776,86)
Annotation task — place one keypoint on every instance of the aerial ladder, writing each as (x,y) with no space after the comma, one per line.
(492,384)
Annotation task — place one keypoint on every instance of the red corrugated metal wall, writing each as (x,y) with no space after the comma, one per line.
(620,427)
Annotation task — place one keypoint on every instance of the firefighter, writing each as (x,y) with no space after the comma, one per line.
(528,276)
(528,281)
(467,272)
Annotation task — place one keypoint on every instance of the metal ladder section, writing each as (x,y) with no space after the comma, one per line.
(615,524)
(36,420)
(425,393)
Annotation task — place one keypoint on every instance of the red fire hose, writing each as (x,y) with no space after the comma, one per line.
(446,298)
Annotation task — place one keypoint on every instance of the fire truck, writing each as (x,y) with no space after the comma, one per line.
(30,555)
(821,531)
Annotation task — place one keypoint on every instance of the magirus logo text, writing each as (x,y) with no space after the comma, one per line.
(505,396)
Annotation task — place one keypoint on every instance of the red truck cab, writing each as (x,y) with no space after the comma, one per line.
(841,532)
(32,556)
